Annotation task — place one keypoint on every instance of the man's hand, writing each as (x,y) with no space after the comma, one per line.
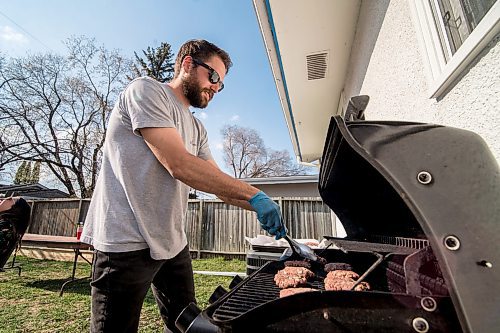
(268,214)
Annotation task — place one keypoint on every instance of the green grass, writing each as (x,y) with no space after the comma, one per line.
(31,302)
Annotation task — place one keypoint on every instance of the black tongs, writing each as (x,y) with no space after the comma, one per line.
(301,250)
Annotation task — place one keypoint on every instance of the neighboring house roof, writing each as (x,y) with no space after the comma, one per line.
(282,180)
(31,191)
(292,186)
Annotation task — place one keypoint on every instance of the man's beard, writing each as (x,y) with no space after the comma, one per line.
(194,93)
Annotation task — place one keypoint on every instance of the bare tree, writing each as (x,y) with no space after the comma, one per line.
(247,157)
(6,159)
(58,107)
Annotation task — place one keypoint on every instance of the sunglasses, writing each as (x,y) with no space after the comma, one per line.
(213,76)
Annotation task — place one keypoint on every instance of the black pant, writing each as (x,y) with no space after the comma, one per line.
(120,282)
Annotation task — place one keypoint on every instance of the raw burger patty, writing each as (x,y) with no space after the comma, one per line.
(293,291)
(292,277)
(342,274)
(339,284)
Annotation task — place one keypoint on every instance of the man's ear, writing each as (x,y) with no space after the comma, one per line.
(187,64)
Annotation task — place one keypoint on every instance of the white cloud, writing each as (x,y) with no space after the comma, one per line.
(219,146)
(8,34)
(235,118)
(203,115)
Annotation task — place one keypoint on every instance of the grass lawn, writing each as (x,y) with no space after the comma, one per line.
(31,302)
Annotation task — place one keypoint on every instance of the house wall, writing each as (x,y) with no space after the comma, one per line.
(387,64)
(289,190)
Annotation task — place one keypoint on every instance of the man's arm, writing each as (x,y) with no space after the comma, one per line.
(168,147)
(166,144)
(235,202)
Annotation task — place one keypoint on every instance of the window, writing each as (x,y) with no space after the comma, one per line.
(453,32)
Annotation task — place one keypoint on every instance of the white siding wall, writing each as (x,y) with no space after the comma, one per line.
(289,190)
(387,64)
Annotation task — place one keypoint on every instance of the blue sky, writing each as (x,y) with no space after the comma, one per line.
(249,98)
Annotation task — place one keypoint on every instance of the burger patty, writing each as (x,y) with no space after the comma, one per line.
(342,274)
(292,277)
(339,284)
(344,280)
(293,291)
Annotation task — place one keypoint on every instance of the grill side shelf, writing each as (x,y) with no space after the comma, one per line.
(360,246)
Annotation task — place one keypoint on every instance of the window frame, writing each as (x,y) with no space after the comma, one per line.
(442,73)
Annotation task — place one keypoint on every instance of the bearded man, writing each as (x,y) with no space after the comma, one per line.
(154,151)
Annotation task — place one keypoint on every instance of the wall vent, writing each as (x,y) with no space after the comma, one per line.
(317,65)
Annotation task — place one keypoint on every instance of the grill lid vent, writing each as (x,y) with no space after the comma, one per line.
(317,65)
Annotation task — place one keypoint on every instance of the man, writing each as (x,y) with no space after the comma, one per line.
(154,151)
(14,220)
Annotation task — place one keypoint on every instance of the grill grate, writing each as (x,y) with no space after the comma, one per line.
(260,287)
(259,290)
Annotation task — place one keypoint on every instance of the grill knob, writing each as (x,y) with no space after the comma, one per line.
(424,178)
(452,243)
(428,304)
(420,325)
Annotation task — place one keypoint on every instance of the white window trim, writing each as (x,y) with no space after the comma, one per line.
(443,74)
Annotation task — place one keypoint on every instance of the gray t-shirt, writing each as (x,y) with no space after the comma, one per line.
(136,202)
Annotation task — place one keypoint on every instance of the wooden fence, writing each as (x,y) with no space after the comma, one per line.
(212,227)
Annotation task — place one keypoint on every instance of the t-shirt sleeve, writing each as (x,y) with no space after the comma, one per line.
(204,151)
(147,105)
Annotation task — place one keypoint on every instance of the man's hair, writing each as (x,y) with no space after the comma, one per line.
(202,50)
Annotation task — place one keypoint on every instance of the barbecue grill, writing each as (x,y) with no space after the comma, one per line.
(420,206)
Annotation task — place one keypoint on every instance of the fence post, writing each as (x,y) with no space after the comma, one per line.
(200,229)
(31,214)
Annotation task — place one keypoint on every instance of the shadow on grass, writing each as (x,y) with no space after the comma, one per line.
(76,287)
(81,287)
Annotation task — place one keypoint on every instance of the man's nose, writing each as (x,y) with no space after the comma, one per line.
(215,87)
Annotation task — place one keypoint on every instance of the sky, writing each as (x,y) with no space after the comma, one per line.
(249,98)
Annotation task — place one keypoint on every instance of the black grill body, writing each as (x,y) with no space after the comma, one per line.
(419,203)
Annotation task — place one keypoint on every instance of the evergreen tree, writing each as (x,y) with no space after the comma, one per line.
(27,174)
(18,178)
(35,173)
(157,64)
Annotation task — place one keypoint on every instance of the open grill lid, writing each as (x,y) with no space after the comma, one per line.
(424,181)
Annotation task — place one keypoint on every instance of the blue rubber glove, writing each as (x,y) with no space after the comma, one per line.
(268,214)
